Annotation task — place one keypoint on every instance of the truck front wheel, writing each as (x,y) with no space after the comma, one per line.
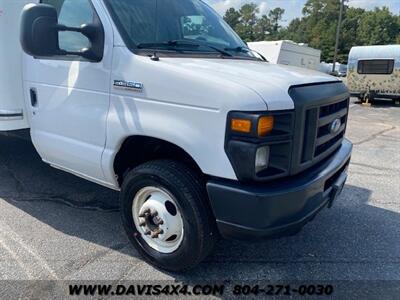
(166,216)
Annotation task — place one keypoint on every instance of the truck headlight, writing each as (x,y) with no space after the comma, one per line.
(258,144)
(265,125)
(262,158)
(255,125)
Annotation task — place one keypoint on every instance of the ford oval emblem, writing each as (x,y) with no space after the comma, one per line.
(335,126)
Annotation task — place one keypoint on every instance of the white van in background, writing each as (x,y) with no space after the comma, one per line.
(374,72)
(162,101)
(340,69)
(288,53)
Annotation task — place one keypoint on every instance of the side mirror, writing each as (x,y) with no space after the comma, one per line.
(39,34)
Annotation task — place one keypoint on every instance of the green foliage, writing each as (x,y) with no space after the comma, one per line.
(249,26)
(275,16)
(232,17)
(263,28)
(317,27)
(248,20)
(378,27)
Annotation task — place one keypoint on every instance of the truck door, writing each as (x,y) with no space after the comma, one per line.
(68,96)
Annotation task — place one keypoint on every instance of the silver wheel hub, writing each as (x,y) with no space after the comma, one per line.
(157,218)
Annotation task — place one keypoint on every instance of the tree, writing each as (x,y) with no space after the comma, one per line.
(378,27)
(349,32)
(398,26)
(359,27)
(263,28)
(314,8)
(296,31)
(275,16)
(248,19)
(317,26)
(232,17)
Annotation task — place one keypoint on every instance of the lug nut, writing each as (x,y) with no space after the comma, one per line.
(159,222)
(156,233)
(144,213)
(147,232)
(142,223)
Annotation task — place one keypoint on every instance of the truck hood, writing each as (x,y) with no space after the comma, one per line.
(271,82)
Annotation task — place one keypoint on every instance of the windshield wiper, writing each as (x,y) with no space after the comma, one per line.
(196,44)
(168,44)
(246,50)
(184,43)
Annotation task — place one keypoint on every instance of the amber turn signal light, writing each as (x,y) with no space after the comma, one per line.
(265,125)
(241,125)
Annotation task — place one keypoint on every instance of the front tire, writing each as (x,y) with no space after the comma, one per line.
(166,215)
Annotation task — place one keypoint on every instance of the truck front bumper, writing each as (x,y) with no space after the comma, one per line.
(278,208)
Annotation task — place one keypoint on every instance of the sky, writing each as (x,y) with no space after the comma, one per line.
(293,7)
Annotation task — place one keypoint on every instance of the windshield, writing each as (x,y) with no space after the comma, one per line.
(186,26)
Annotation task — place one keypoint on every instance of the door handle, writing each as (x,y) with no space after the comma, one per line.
(33,96)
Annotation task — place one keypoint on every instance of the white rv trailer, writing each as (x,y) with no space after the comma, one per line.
(288,53)
(374,72)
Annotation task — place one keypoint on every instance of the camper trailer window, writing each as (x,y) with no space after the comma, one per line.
(376,66)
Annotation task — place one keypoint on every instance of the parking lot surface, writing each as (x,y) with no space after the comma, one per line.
(57,226)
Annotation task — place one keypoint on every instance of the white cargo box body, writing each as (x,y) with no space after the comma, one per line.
(288,53)
(12,106)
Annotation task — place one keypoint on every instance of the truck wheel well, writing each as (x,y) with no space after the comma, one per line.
(136,150)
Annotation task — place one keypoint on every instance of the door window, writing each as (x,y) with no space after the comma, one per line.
(73,13)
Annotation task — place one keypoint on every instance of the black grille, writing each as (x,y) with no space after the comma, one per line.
(316,107)
(319,140)
(332,108)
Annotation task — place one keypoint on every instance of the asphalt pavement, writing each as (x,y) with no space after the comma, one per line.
(57,226)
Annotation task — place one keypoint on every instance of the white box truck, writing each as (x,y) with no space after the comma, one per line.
(374,72)
(12,106)
(162,101)
(289,53)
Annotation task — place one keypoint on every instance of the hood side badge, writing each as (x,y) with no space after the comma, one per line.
(129,85)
